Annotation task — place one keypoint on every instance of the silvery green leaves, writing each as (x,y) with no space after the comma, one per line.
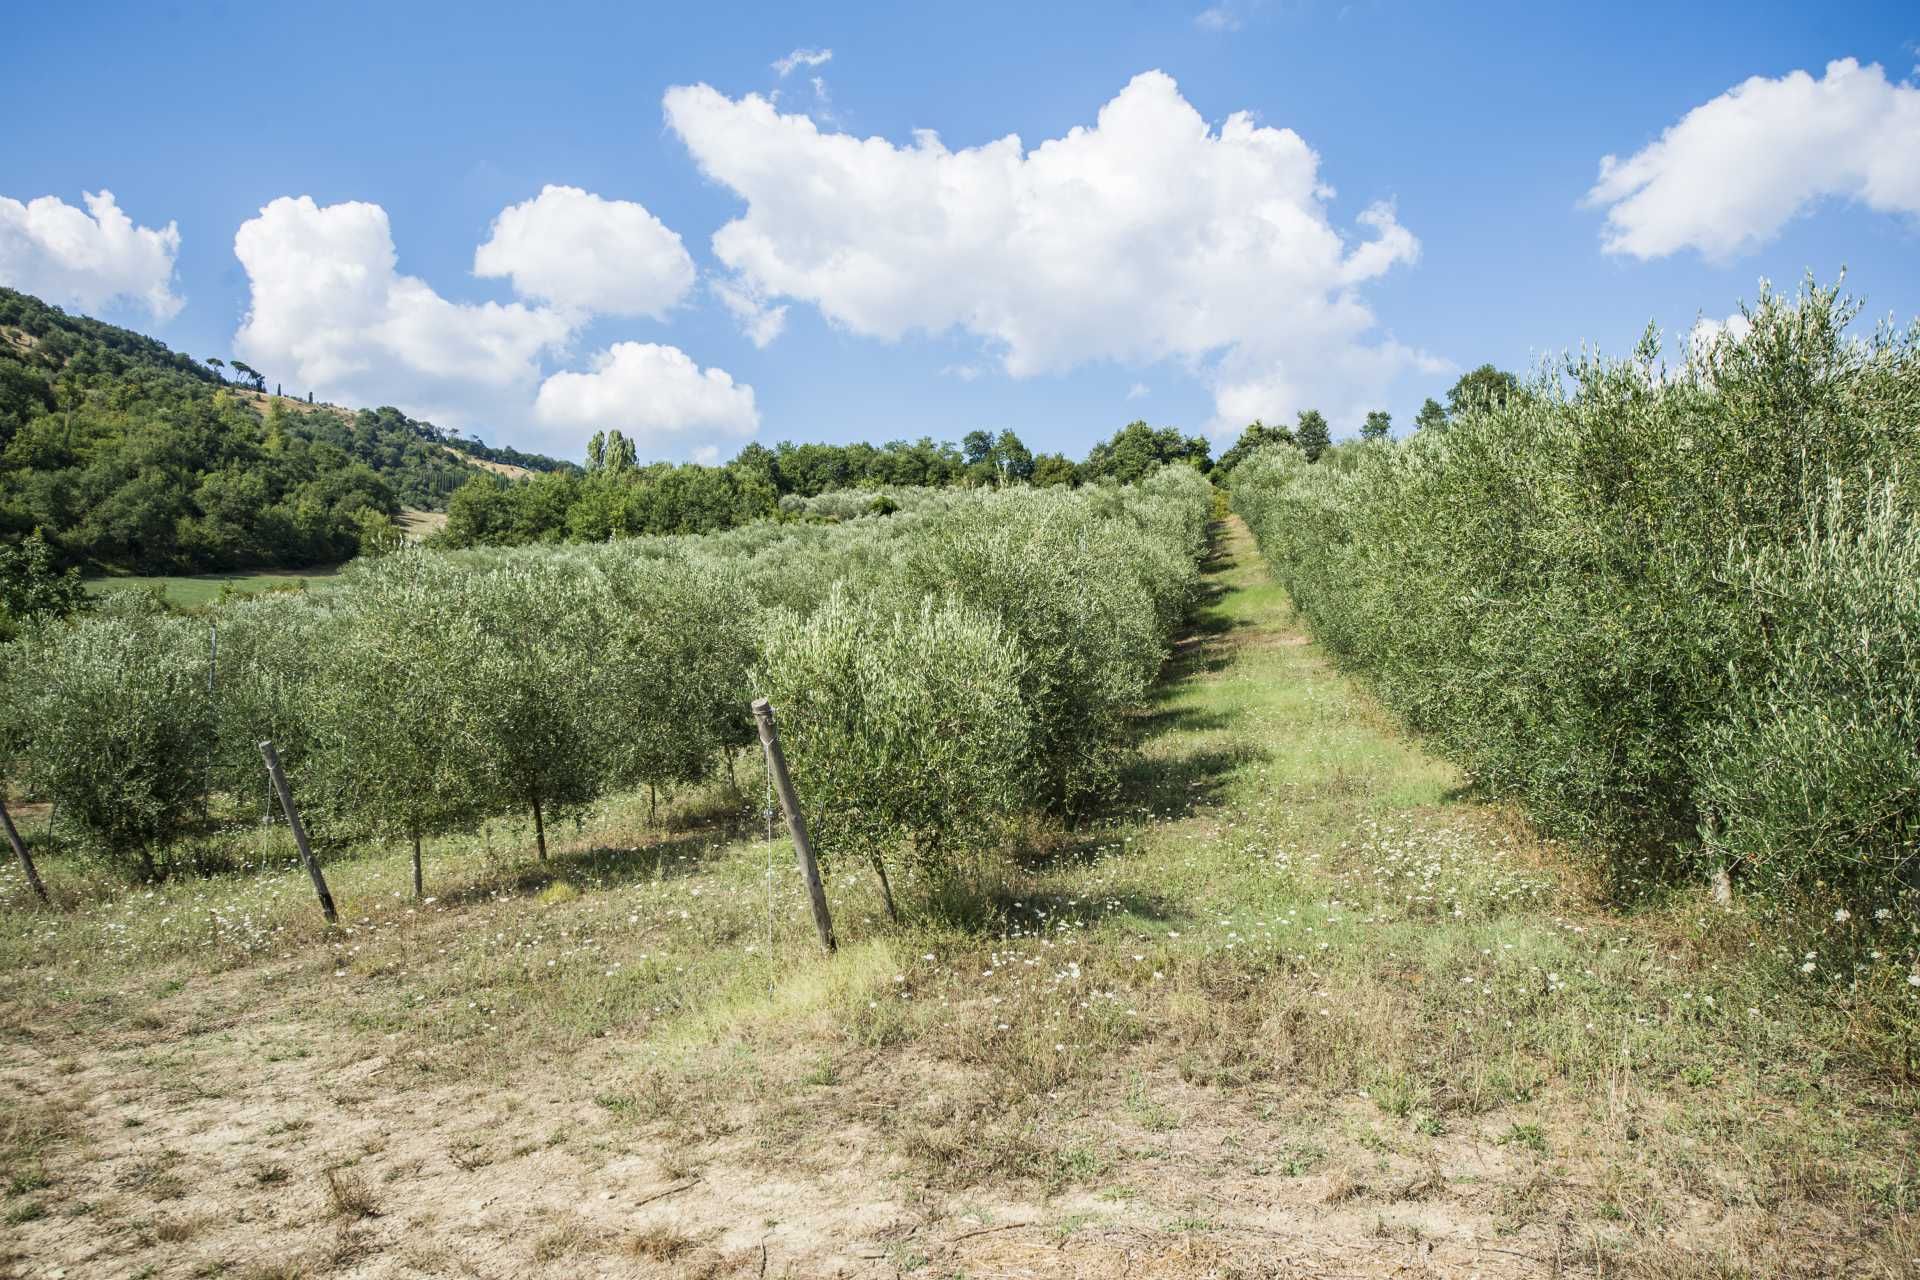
(1669,610)
(903,727)
(109,717)
(424,692)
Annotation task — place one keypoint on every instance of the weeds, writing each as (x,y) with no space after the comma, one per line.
(1320,998)
(349,1196)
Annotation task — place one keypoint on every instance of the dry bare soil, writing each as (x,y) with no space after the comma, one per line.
(1301,1007)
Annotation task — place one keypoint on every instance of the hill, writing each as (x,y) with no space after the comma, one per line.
(133,457)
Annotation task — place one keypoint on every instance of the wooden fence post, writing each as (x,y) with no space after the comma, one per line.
(272,758)
(20,851)
(796,825)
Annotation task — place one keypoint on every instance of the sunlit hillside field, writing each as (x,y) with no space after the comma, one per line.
(1286,999)
(194,591)
(197,590)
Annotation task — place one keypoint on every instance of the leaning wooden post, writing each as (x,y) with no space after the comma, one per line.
(797,825)
(272,758)
(20,851)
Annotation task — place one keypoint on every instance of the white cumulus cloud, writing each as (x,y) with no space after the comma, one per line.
(575,249)
(87,258)
(656,394)
(1147,235)
(759,321)
(802,58)
(331,313)
(1733,171)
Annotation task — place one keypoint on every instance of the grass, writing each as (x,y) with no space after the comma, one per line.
(192,591)
(1293,983)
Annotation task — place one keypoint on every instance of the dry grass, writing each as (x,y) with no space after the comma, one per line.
(660,1244)
(1294,999)
(349,1196)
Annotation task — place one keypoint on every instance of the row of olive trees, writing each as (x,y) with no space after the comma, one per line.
(937,671)
(982,670)
(1676,612)
(420,698)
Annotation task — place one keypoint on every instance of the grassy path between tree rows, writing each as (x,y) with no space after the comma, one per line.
(1300,1008)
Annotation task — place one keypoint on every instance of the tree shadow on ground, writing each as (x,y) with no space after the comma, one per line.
(603,866)
(1010,911)
(1176,783)
(1178,786)
(1146,726)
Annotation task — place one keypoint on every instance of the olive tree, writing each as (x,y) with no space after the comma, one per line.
(401,721)
(671,657)
(1061,580)
(903,727)
(531,676)
(111,722)
(277,658)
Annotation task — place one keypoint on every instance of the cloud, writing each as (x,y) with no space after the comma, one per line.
(1706,331)
(1733,171)
(87,258)
(964,372)
(331,313)
(802,58)
(1146,236)
(1138,391)
(1218,18)
(657,394)
(576,250)
(760,322)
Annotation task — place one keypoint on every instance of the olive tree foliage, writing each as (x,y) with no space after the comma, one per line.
(108,717)
(275,657)
(402,726)
(668,664)
(530,679)
(1811,774)
(903,726)
(1090,598)
(1670,610)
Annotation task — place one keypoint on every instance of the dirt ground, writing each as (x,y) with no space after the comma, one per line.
(209,1138)
(1310,1012)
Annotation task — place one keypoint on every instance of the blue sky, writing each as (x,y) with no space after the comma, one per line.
(926,295)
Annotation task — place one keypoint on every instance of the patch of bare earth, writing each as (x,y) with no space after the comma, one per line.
(1152,1096)
(220,1153)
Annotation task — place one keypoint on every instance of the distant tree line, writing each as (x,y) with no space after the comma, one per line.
(616,496)
(130,457)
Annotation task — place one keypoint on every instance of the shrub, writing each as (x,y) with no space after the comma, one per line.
(1090,598)
(1618,597)
(904,727)
(110,720)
